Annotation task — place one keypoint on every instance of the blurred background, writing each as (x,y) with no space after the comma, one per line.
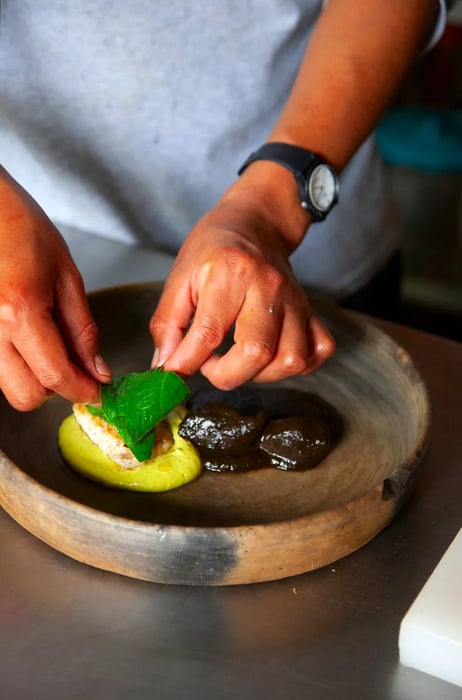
(421,142)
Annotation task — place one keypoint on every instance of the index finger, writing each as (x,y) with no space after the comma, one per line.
(42,348)
(217,309)
(170,319)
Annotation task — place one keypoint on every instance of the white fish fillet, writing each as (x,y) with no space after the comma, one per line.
(105,436)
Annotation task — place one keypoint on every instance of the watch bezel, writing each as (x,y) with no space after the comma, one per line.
(309,187)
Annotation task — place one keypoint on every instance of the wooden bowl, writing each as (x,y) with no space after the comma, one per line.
(228,528)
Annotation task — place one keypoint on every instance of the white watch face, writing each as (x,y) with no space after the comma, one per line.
(322,187)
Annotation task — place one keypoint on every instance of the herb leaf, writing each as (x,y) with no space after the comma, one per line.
(136,402)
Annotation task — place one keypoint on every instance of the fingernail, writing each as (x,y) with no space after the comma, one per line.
(101,367)
(157,361)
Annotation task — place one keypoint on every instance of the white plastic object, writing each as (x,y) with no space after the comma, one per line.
(430,637)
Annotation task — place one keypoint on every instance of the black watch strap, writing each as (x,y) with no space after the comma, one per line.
(298,160)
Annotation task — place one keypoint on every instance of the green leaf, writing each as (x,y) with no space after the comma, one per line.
(95,411)
(135,403)
(143,449)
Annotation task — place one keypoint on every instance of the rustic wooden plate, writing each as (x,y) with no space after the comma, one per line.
(228,528)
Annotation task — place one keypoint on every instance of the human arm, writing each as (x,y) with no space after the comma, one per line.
(48,338)
(233,266)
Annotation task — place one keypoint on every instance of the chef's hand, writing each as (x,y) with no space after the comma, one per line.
(48,338)
(233,269)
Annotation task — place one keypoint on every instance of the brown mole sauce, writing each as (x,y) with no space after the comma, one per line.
(248,429)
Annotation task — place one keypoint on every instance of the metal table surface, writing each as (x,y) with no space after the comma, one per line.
(70,631)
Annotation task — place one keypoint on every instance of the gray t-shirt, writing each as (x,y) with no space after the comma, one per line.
(130,119)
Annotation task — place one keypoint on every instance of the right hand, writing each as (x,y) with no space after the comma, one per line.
(48,338)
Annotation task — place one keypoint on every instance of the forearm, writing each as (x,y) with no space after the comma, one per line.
(355,60)
(358,54)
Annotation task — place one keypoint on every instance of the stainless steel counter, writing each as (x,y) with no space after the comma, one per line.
(69,631)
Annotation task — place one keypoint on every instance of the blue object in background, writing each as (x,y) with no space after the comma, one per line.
(421,138)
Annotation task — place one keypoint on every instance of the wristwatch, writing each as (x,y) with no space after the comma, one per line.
(316,180)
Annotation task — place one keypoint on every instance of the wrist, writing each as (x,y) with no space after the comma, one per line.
(265,200)
(316,180)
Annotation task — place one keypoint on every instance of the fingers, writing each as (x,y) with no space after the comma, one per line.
(271,340)
(300,349)
(214,286)
(42,349)
(299,352)
(171,318)
(19,385)
(47,333)
(219,303)
(78,329)
(46,351)
(258,328)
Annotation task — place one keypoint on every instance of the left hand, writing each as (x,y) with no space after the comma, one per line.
(234,269)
